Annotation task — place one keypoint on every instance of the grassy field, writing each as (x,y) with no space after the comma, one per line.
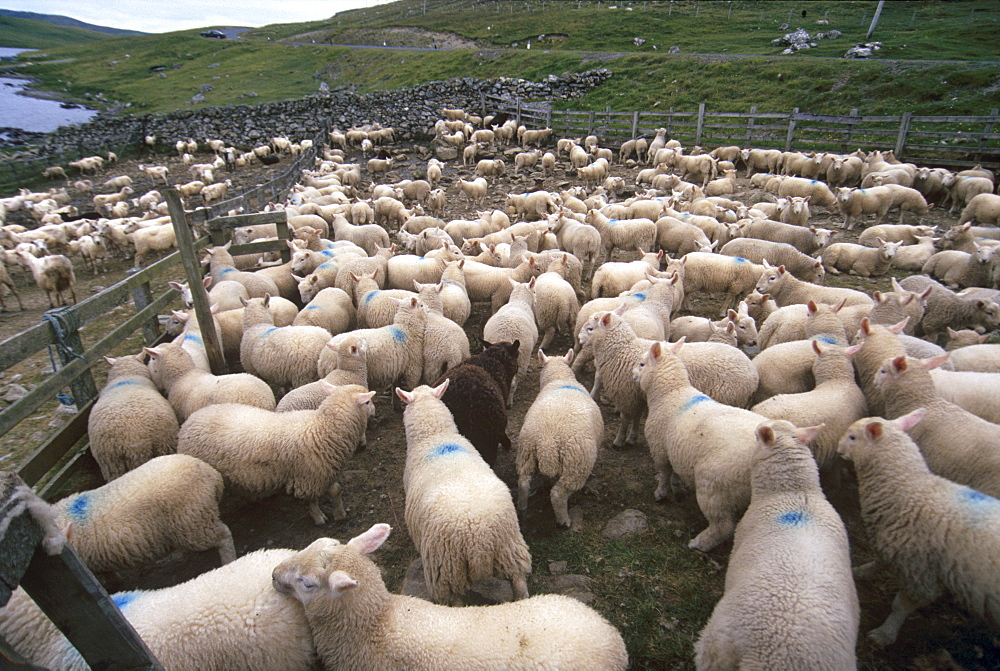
(34,34)
(286,61)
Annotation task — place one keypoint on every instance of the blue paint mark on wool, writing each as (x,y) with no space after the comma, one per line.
(370,296)
(641,296)
(793,518)
(573,387)
(312,307)
(976,497)
(740,259)
(123,383)
(269,331)
(193,338)
(79,509)
(398,334)
(327,253)
(123,599)
(826,339)
(227,270)
(446,448)
(693,401)
(326,266)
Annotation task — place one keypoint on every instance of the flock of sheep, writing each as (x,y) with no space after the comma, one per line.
(377,295)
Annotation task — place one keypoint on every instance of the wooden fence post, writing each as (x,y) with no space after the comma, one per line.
(482,103)
(904,128)
(670,119)
(753,110)
(791,130)
(192,270)
(590,123)
(701,123)
(844,148)
(987,129)
(65,325)
(568,113)
(635,124)
(518,117)
(142,297)
(607,120)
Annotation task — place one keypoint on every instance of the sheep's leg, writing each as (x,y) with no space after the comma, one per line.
(595,392)
(524,489)
(633,432)
(715,506)
(227,549)
(519,583)
(584,355)
(904,604)
(72,292)
(513,388)
(338,502)
(664,474)
(559,495)
(314,511)
(866,571)
(547,338)
(623,426)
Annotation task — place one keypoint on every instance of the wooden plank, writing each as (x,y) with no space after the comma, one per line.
(80,459)
(701,123)
(17,348)
(904,128)
(791,129)
(253,219)
(259,247)
(70,348)
(18,541)
(50,452)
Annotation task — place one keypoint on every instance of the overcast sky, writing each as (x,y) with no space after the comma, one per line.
(161,16)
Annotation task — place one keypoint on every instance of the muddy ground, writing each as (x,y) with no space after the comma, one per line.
(622,479)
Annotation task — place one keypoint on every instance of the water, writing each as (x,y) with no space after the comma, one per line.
(33,114)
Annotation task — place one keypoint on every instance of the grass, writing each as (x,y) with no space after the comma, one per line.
(35,34)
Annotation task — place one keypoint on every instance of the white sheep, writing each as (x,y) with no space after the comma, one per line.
(935,534)
(376,307)
(801,265)
(975,391)
(699,329)
(707,444)
(131,422)
(721,370)
(459,513)
(790,600)
(358,624)
(170,502)
(907,234)
(445,342)
(614,277)
(351,368)
(807,240)
(282,356)
(221,267)
(983,208)
(860,259)
(549,444)
(944,308)
(189,388)
(331,309)
(913,257)
(625,234)
(228,618)
(515,321)
(717,273)
(555,304)
(786,289)
(53,274)
(299,452)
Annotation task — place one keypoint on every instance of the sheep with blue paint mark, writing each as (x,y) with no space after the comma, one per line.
(188,335)
(625,234)
(460,515)
(395,352)
(351,367)
(331,309)
(228,618)
(938,536)
(131,422)
(559,437)
(299,452)
(283,356)
(707,444)
(717,273)
(358,624)
(445,342)
(168,503)
(221,267)
(790,601)
(721,370)
(376,307)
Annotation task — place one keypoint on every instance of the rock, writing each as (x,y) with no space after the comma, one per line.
(863,50)
(571,585)
(197,98)
(626,523)
(446,153)
(13,393)
(205,88)
(413,583)
(558,567)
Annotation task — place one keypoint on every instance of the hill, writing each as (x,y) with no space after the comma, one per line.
(38,34)
(60,20)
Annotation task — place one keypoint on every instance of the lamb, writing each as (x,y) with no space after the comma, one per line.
(395,352)
(977,392)
(349,596)
(131,422)
(708,444)
(933,532)
(818,192)
(906,385)
(908,235)
(169,502)
(283,356)
(859,259)
(300,452)
(53,274)
(485,282)
(761,160)
(189,388)
(944,308)
(913,257)
(555,303)
(836,402)
(678,237)
(615,277)
(723,185)
(153,239)
(215,192)
(445,342)
(790,600)
(403,269)
(637,234)
(515,321)
(455,302)
(720,370)
(967,187)
(854,202)
(616,351)
(807,240)
(475,191)
(715,273)
(699,329)
(331,309)
(801,265)
(983,208)
(960,269)
(579,239)
(369,236)
(242,623)
(376,307)
(351,368)
(787,290)
(221,267)
(472,533)
(795,211)
(978,357)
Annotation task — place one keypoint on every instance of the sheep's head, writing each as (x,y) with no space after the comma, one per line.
(860,439)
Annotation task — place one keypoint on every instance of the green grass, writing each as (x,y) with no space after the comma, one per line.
(34,34)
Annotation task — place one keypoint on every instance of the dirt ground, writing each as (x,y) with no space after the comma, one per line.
(622,479)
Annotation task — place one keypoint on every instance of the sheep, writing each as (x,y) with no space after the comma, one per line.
(795,211)
(790,600)
(351,368)
(331,308)
(786,289)
(241,622)
(555,304)
(807,240)
(131,422)
(376,307)
(960,269)
(699,329)
(395,352)
(965,188)
(300,452)
(189,388)
(483,282)
(759,306)
(983,208)
(907,234)
(974,391)
(715,273)
(455,303)
(616,350)
(818,192)
(854,202)
(933,532)
(579,239)
(626,234)
(859,259)
(403,269)
(613,278)
(708,444)
(53,274)
(760,160)
(944,308)
(189,337)
(283,356)
(6,281)
(369,236)
(801,265)
(720,370)
(515,321)
(215,192)
(475,191)
(221,268)
(169,502)
(913,257)
(94,250)
(678,237)
(532,206)
(978,357)
(445,342)
(906,385)
(153,239)
(343,595)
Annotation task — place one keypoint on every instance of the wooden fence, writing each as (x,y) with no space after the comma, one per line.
(958,141)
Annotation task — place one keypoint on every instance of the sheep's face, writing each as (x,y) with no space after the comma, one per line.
(852,441)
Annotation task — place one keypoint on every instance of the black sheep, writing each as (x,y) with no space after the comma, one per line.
(477,396)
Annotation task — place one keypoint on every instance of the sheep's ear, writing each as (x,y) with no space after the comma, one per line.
(952,332)
(852,350)
(370,540)
(244,301)
(177,285)
(340,582)
(866,327)
(656,350)
(765,434)
(620,310)
(531,284)
(839,306)
(898,327)
(733,315)
(206,281)
(356,278)
(908,421)
(570,355)
(267,299)
(364,397)
(326,386)
(817,347)
(405,396)
(811,307)
(416,285)
(110,360)
(676,347)
(441,388)
(214,309)
(541,357)
(874,430)
(807,434)
(899,364)
(606,319)
(151,351)
(935,361)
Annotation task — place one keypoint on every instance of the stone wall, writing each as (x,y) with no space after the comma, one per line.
(412,112)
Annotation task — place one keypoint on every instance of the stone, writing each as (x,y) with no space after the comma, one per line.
(205,88)
(13,392)
(558,567)
(446,153)
(571,585)
(626,523)
(197,98)
(413,583)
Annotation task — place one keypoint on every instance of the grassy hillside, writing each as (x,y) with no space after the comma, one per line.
(285,61)
(36,34)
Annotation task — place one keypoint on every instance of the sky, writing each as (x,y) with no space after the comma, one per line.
(160,16)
